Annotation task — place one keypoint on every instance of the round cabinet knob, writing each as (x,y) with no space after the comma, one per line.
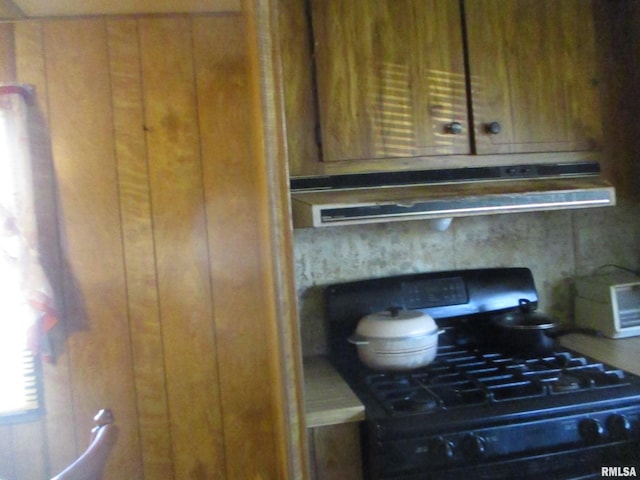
(590,430)
(455,128)
(618,426)
(493,128)
(472,447)
(440,450)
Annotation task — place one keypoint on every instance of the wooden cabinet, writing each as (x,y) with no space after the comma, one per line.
(533,75)
(390,78)
(335,452)
(334,415)
(412,84)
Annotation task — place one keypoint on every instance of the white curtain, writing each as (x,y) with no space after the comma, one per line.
(26,300)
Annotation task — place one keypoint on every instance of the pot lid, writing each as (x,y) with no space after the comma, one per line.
(396,322)
(525,318)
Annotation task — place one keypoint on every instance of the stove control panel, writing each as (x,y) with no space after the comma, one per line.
(441,294)
(434,292)
(500,442)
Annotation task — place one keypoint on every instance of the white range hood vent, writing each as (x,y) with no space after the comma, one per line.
(433,194)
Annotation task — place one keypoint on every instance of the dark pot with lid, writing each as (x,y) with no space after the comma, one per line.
(524,330)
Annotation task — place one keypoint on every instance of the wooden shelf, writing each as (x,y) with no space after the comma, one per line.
(328,399)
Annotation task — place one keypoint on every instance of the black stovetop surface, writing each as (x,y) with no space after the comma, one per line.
(461,378)
(469,381)
(467,378)
(467,388)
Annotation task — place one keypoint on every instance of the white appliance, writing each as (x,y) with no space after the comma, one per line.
(609,303)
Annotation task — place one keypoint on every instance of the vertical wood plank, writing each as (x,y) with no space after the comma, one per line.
(132,125)
(83,150)
(30,64)
(270,153)
(7,54)
(299,90)
(29,452)
(181,248)
(139,249)
(234,185)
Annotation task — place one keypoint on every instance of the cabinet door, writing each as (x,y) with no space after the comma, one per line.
(532,67)
(390,78)
(335,452)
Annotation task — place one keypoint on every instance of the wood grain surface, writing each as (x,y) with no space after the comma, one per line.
(336,452)
(139,248)
(328,399)
(159,197)
(533,69)
(390,78)
(16,9)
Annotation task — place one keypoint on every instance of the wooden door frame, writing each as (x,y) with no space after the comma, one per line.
(270,144)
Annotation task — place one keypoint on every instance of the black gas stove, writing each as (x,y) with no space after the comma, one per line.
(481,410)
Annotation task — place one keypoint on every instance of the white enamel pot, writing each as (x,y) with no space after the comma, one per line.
(396,339)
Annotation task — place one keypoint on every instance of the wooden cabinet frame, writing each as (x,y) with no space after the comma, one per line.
(576,140)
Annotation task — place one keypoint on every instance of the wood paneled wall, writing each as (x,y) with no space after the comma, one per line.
(165,276)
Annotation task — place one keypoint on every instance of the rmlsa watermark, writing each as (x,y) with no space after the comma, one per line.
(618,471)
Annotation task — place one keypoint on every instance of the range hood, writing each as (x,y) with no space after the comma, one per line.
(323,201)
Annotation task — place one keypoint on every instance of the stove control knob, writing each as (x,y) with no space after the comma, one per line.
(618,426)
(440,450)
(472,447)
(590,430)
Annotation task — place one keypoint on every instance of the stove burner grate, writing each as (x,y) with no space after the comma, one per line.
(462,378)
(419,401)
(566,383)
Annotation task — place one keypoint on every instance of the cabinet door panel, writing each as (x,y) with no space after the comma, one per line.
(336,452)
(390,78)
(532,65)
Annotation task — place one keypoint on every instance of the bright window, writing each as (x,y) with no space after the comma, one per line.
(18,374)
(22,285)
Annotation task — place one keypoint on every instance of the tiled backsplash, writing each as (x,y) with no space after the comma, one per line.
(556,246)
